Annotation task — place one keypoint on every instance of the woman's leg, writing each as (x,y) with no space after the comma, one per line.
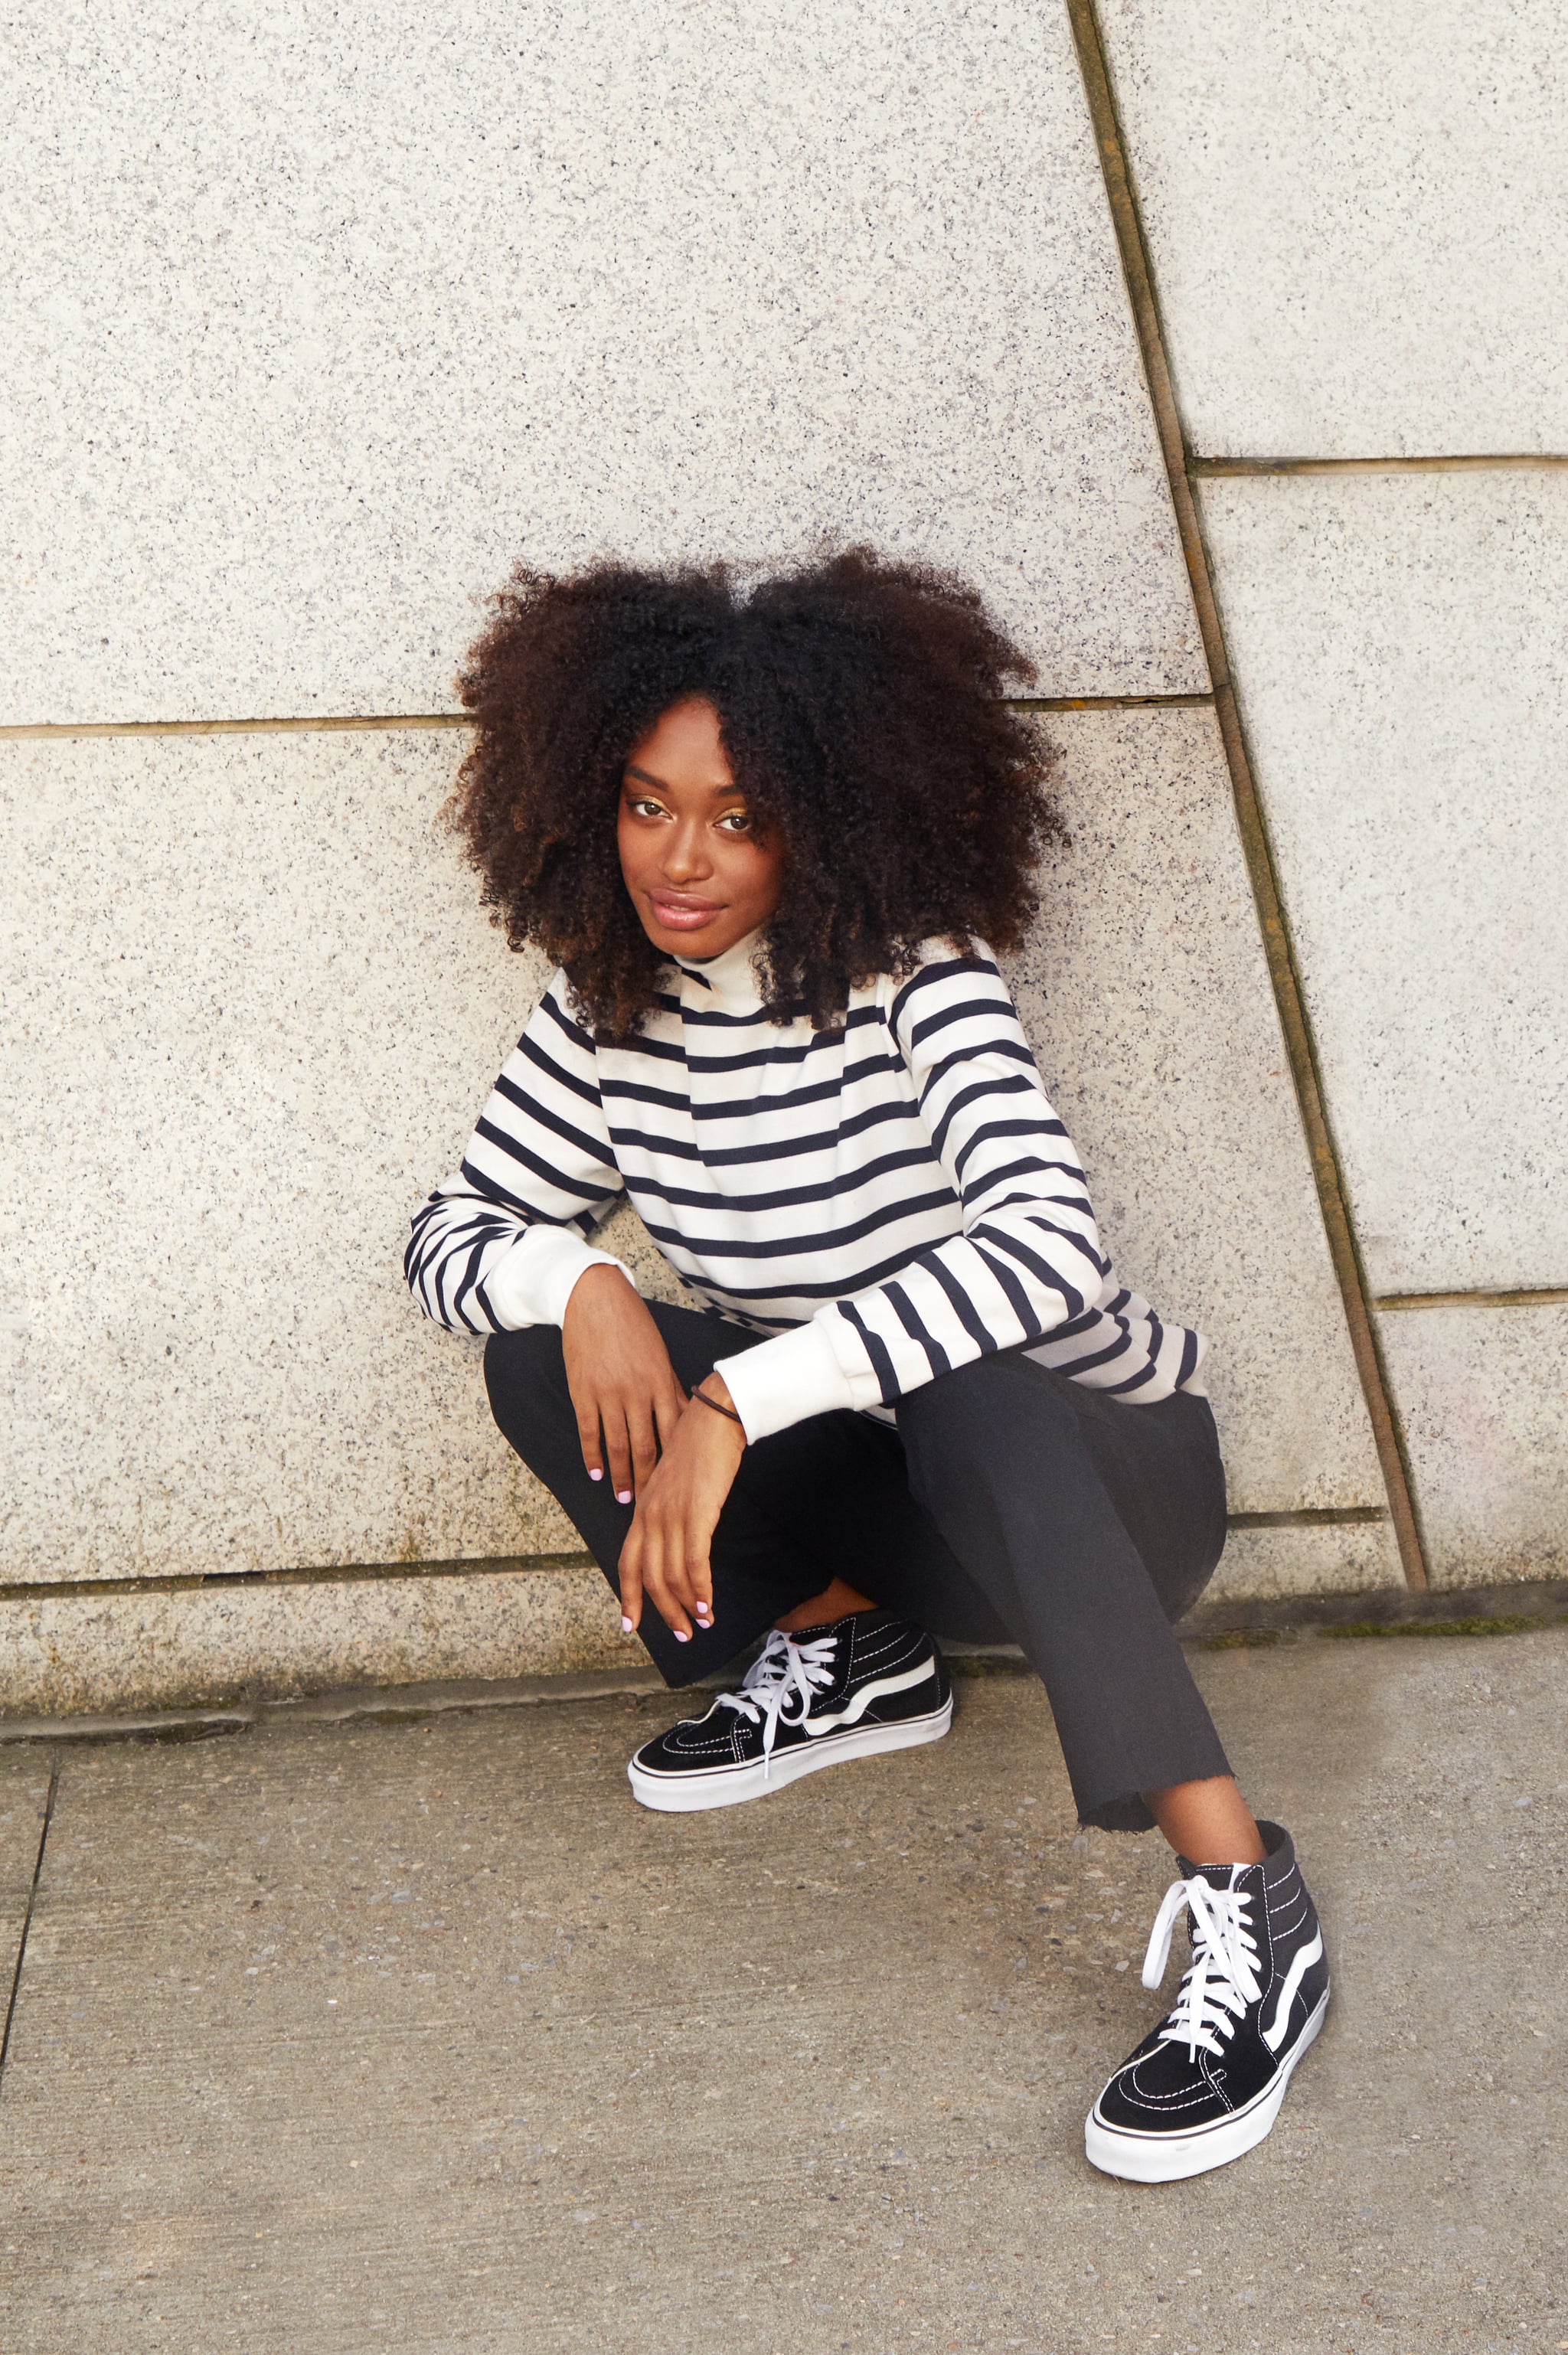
(1093,1524)
(819,1516)
(1090,1525)
(1208,1822)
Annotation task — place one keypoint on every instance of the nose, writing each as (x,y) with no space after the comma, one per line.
(687,857)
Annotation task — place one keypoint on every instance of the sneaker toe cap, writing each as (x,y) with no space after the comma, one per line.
(688,1745)
(1158,2088)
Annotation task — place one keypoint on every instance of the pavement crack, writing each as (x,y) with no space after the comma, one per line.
(28,1915)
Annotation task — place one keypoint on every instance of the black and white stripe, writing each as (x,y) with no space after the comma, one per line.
(890,1199)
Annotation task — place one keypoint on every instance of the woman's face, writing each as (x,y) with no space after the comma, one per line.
(701,873)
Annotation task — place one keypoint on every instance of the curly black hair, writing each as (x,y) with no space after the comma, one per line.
(859,703)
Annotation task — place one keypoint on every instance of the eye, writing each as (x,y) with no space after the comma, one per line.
(737,821)
(643,805)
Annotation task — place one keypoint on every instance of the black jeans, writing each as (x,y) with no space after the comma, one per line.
(1011,1505)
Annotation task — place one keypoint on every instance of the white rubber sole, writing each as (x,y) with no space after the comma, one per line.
(729,1786)
(1172,2157)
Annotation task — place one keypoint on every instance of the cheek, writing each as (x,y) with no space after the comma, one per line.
(756,871)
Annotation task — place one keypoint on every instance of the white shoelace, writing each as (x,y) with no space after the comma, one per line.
(782,1669)
(1222,1979)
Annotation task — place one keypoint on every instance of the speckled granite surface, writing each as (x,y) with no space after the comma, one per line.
(76,1654)
(98,1650)
(320,321)
(254,1009)
(1404,678)
(1480,1393)
(1353,215)
(1308,1558)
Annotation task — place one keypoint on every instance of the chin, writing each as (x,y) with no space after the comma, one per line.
(707,941)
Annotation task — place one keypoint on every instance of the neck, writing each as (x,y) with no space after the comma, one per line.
(728,974)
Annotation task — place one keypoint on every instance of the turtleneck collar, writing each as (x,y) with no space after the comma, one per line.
(729,977)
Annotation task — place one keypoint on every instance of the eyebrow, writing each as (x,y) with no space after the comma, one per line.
(645,777)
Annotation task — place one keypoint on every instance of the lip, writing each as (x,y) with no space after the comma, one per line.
(677,912)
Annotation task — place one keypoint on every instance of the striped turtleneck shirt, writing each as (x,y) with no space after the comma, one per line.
(886,1198)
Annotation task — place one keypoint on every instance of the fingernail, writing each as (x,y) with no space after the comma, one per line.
(680,1637)
(596,1475)
(702,1615)
(623,1496)
(625,1626)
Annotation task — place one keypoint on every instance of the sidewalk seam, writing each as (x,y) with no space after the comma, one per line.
(28,1915)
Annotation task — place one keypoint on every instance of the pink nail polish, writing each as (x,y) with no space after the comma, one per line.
(680,1637)
(625,1626)
(623,1496)
(596,1475)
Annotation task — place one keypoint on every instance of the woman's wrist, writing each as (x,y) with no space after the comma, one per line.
(713,1391)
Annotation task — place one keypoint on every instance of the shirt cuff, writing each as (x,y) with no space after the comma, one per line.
(532,1282)
(785,1379)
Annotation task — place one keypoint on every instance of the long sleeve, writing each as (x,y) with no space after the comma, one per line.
(1028,1260)
(502,1243)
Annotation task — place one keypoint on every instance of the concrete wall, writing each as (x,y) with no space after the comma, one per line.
(323,321)
(1356,227)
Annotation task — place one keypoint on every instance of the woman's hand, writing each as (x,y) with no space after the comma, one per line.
(665,1553)
(621,1379)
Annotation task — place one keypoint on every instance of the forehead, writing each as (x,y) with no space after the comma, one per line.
(684,747)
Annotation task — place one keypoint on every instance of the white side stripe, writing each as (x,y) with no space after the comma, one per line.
(868,1694)
(1273,2034)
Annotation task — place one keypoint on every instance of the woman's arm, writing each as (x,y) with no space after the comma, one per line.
(501,1244)
(1029,1260)
(504,1244)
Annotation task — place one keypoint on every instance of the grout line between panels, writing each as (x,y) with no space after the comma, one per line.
(1219,469)
(227,1581)
(1544,1298)
(383,723)
(391,723)
(1257,847)
(1310,1517)
(1108,702)
(358,1573)
(28,1915)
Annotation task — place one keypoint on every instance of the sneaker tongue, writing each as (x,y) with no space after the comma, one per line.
(838,1627)
(1218,1876)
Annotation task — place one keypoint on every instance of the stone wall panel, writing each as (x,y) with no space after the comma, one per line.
(1399,650)
(319,323)
(1352,216)
(1480,1393)
(253,1010)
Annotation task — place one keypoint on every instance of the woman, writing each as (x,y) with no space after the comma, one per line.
(767,840)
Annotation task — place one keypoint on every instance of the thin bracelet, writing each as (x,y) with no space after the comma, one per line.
(728,1410)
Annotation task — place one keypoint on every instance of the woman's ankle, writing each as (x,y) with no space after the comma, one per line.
(1208,1822)
(835,1602)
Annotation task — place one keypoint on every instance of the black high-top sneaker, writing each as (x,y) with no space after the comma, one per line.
(867,1682)
(1207,2084)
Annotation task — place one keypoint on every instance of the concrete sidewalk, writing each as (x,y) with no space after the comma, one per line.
(422,2035)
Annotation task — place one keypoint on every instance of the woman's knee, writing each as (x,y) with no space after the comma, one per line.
(977,1409)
